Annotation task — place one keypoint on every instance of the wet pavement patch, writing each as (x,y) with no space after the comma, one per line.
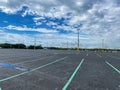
(10,66)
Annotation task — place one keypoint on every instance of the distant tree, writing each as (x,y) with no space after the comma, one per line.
(35,47)
(31,47)
(18,46)
(39,47)
(52,48)
(5,45)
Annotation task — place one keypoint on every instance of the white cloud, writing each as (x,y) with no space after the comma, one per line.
(100,18)
(3,1)
(39,20)
(78,19)
(24,28)
(52,24)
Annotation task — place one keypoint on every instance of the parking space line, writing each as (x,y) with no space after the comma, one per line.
(58,60)
(72,76)
(99,55)
(86,54)
(113,67)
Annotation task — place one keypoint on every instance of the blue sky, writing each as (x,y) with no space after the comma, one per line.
(55,22)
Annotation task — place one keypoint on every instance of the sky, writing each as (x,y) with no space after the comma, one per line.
(56,22)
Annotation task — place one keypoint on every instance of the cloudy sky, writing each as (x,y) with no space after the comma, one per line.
(55,22)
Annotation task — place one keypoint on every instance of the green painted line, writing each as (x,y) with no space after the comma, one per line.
(13,76)
(58,60)
(49,64)
(72,76)
(113,67)
(86,54)
(28,61)
(99,55)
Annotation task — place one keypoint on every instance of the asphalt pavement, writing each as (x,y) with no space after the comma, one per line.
(59,70)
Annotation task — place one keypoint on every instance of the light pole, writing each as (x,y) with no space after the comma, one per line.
(78,48)
(67,45)
(102,43)
(34,42)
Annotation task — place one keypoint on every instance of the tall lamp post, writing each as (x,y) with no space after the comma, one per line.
(102,43)
(78,48)
(34,42)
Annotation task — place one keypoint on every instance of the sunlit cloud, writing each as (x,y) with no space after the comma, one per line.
(60,19)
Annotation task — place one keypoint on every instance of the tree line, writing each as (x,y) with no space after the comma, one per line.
(20,46)
(23,46)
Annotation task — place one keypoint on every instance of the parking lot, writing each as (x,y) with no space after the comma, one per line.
(59,70)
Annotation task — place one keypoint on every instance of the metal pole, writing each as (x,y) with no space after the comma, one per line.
(102,43)
(67,45)
(78,39)
(35,43)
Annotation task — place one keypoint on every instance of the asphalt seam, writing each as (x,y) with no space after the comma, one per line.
(31,60)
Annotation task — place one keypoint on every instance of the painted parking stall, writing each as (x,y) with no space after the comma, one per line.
(60,70)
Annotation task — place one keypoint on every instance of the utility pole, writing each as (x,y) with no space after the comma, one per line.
(34,42)
(67,45)
(102,43)
(78,48)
